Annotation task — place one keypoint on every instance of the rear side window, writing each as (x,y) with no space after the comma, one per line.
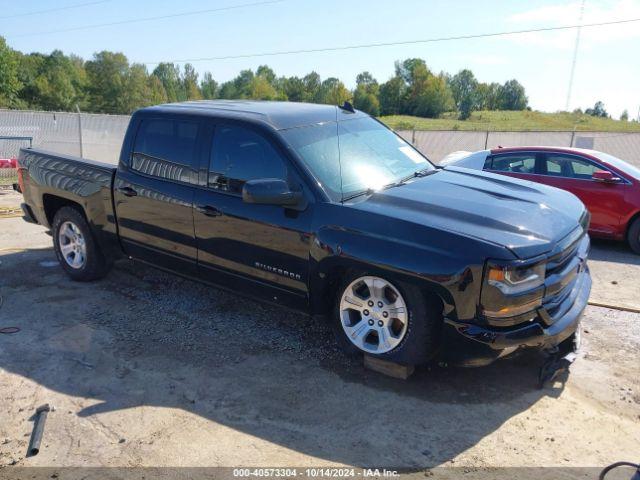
(165,148)
(517,163)
(240,154)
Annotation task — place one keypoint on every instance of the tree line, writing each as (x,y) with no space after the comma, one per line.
(109,83)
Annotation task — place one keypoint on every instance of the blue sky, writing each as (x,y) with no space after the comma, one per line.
(607,66)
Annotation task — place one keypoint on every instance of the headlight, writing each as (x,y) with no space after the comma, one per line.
(512,280)
(512,290)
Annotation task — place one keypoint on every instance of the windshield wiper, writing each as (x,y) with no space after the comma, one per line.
(367,191)
(418,173)
(424,172)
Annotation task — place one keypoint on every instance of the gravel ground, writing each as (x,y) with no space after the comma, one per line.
(147,369)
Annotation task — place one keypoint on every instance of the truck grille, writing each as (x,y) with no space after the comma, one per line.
(563,266)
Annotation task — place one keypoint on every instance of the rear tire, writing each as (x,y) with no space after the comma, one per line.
(633,236)
(364,327)
(75,246)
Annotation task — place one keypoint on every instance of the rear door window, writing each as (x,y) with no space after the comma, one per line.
(516,163)
(166,148)
(240,154)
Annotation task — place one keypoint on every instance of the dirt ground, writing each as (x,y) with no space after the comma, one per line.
(147,369)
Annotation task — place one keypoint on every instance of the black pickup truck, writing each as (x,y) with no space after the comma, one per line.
(325,210)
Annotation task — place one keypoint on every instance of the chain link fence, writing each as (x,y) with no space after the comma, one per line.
(94,136)
(99,137)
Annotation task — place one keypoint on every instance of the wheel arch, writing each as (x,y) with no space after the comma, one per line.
(330,278)
(53,203)
(630,222)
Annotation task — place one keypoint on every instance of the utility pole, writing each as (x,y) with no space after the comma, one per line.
(575,56)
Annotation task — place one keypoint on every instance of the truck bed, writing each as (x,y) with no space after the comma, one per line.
(51,180)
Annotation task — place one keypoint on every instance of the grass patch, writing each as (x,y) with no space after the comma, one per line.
(8,180)
(517,121)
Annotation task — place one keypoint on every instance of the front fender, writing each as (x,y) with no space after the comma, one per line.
(453,276)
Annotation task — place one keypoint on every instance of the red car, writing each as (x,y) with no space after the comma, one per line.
(8,163)
(608,186)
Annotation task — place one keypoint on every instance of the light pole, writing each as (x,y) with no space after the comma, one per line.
(575,56)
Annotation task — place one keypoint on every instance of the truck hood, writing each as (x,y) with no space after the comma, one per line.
(525,217)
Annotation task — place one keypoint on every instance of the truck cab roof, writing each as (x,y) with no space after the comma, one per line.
(278,115)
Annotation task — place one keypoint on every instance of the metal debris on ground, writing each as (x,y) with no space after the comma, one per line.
(38,429)
(10,212)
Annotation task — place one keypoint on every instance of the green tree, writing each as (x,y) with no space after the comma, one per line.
(108,80)
(312,84)
(332,92)
(190,83)
(29,68)
(261,89)
(511,96)
(267,73)
(228,91)
(410,69)
(624,116)
(294,89)
(433,98)
(169,75)
(464,88)
(598,110)
(427,95)
(265,86)
(243,83)
(9,84)
(155,93)
(135,91)
(391,96)
(365,96)
(208,86)
(487,96)
(60,83)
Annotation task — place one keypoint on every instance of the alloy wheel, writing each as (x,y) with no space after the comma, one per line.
(72,245)
(373,314)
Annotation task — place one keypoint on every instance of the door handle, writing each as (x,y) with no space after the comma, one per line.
(127,191)
(208,210)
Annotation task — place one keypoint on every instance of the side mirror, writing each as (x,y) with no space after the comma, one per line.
(604,176)
(270,191)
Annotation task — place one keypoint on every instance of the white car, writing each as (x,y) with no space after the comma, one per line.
(466,159)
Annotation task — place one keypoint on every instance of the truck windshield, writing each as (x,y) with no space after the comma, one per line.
(354,156)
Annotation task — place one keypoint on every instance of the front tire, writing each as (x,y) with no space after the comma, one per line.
(76,248)
(394,321)
(633,236)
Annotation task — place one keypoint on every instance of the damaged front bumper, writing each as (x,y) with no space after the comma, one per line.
(472,344)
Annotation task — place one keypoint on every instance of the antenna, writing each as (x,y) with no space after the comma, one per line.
(347,106)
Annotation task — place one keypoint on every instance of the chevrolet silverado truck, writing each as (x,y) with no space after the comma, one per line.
(325,210)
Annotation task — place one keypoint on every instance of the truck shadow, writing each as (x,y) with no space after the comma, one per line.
(144,338)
